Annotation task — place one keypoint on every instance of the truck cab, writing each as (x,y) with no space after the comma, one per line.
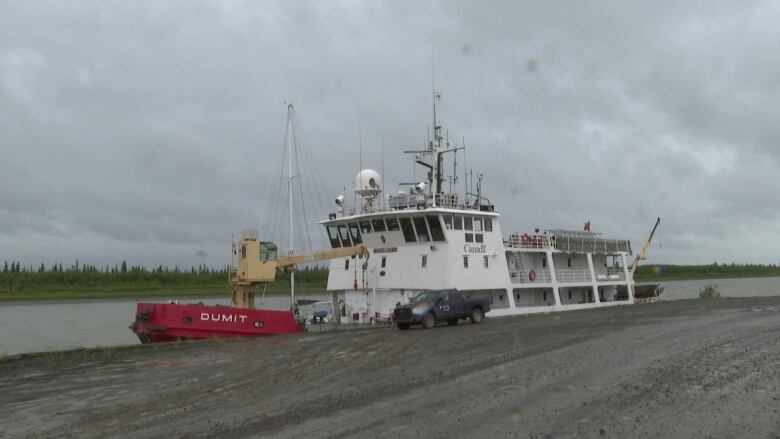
(449,305)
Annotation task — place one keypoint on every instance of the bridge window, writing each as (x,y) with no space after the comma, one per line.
(477,224)
(469,237)
(392,224)
(344,233)
(478,237)
(355,232)
(424,261)
(465,261)
(569,262)
(406,227)
(458,223)
(422,229)
(333,234)
(488,223)
(365,227)
(267,251)
(436,232)
(447,222)
(485,261)
(468,223)
(379,225)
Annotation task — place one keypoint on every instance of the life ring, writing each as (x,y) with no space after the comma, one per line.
(532,275)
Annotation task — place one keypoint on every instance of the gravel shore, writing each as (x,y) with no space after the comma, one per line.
(689,368)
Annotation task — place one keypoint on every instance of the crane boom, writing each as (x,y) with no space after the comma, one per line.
(258,262)
(643,253)
(321,255)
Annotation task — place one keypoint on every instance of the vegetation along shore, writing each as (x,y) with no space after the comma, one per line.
(19,282)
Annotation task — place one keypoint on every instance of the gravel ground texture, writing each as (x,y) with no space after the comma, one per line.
(688,368)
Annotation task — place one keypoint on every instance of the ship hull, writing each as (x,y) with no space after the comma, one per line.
(165,322)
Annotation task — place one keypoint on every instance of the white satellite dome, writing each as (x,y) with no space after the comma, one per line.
(368,183)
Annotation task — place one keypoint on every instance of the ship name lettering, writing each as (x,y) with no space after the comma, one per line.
(475,248)
(229,318)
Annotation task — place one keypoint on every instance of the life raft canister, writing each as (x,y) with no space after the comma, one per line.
(532,275)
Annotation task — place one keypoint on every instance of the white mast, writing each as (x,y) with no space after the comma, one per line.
(291,139)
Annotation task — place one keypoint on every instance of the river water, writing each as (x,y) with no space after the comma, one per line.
(35,327)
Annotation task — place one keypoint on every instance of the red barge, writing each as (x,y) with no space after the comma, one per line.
(257,265)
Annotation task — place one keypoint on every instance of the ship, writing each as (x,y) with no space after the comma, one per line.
(388,247)
(430,237)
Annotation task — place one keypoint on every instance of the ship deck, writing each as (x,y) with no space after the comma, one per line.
(690,368)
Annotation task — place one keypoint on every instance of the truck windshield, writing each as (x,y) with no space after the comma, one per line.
(426,297)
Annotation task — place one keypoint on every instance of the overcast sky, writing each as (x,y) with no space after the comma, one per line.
(147,130)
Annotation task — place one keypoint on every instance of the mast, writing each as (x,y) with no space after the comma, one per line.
(291,140)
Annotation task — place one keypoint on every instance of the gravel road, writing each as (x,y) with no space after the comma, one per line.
(690,368)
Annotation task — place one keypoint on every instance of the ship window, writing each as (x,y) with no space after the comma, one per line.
(365,227)
(424,261)
(346,264)
(458,223)
(544,296)
(488,223)
(243,251)
(344,233)
(469,237)
(436,232)
(467,223)
(267,251)
(569,262)
(392,224)
(477,224)
(422,229)
(465,261)
(544,262)
(447,222)
(485,261)
(379,225)
(355,232)
(384,261)
(478,237)
(333,234)
(406,226)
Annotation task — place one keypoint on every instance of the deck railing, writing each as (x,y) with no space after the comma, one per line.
(573,276)
(540,276)
(525,240)
(611,275)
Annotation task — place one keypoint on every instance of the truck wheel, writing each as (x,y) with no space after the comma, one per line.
(428,321)
(452,322)
(403,326)
(476,315)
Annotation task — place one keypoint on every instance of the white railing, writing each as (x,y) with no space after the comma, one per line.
(540,276)
(611,275)
(408,201)
(572,276)
(525,240)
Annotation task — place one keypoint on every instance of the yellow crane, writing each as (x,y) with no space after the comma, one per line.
(258,262)
(643,253)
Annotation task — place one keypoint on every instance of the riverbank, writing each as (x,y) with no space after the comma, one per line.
(668,369)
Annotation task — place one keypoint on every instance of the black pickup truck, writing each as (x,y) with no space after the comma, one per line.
(432,306)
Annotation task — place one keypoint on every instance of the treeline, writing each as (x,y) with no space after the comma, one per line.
(16,277)
(706,271)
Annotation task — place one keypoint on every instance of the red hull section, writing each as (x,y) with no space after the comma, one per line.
(160,322)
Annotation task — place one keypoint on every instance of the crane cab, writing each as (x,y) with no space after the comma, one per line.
(257,261)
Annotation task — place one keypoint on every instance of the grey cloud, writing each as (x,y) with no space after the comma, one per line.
(150,131)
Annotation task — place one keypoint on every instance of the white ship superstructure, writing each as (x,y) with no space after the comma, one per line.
(429,239)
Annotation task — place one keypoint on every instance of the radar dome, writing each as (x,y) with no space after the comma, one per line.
(368,183)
